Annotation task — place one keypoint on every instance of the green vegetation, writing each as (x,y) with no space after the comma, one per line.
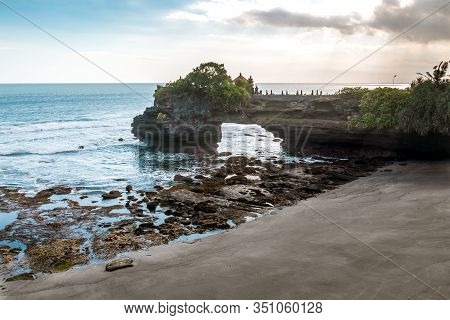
(212,81)
(380,108)
(423,108)
(161,117)
(429,110)
(356,92)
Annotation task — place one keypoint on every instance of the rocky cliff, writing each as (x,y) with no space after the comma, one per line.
(307,124)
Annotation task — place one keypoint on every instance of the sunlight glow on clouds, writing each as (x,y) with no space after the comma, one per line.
(225,10)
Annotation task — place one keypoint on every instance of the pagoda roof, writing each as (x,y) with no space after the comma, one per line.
(240,77)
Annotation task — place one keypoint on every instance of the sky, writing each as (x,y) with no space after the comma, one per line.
(309,41)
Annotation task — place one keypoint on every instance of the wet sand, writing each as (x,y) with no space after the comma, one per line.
(386,236)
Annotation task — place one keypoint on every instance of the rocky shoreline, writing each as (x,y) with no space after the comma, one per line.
(229,192)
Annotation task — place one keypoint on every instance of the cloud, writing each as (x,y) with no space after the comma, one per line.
(392,18)
(282,18)
(389,17)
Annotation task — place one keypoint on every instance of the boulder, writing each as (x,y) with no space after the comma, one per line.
(151,205)
(238,179)
(119,264)
(180,178)
(132,198)
(114,194)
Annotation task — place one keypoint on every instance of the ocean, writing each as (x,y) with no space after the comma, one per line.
(79,135)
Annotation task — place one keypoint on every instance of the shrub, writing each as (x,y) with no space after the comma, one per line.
(380,108)
(429,110)
(161,117)
(355,93)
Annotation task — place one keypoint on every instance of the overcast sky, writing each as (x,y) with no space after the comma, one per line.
(275,41)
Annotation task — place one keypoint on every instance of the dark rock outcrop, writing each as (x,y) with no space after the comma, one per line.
(180,123)
(307,124)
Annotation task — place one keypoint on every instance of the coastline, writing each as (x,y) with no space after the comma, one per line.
(55,236)
(295,253)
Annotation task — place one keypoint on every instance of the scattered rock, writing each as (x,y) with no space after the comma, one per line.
(151,194)
(205,206)
(224,154)
(120,139)
(114,194)
(7,254)
(238,179)
(119,264)
(81,147)
(147,227)
(129,188)
(240,161)
(118,239)
(43,196)
(152,206)
(180,178)
(132,198)
(22,276)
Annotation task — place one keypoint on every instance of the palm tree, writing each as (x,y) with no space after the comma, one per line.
(439,76)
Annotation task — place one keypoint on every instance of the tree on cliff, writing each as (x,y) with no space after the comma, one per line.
(208,80)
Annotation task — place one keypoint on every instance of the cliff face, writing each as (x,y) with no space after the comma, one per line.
(179,124)
(307,124)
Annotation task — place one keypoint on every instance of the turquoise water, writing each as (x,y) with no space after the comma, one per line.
(42,128)
(7,218)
